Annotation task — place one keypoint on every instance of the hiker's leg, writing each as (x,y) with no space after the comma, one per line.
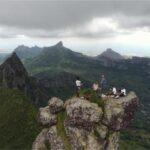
(78,91)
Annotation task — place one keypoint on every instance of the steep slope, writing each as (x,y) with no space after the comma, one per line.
(18,127)
(25,52)
(13,75)
(3,57)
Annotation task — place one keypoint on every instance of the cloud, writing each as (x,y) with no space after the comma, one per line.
(94,19)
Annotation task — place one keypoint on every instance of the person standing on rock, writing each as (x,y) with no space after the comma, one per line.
(78,86)
(103,84)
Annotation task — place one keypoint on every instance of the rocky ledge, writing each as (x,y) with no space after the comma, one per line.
(80,124)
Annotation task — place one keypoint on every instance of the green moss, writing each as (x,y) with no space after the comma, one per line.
(61,130)
(18,126)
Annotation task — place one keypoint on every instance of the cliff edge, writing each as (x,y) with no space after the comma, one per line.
(81,124)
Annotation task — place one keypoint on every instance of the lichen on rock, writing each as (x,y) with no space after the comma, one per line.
(45,118)
(82,113)
(55,105)
(85,125)
(119,112)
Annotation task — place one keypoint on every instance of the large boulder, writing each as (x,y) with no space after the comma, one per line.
(55,105)
(48,138)
(83,124)
(40,141)
(54,139)
(113,141)
(119,112)
(45,118)
(83,113)
(81,138)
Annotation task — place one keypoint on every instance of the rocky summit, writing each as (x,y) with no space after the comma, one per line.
(81,124)
(13,75)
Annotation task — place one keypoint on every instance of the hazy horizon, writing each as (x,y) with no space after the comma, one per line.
(89,27)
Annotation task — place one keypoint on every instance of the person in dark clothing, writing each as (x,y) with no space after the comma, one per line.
(103,84)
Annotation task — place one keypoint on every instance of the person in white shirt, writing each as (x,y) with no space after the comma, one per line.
(78,86)
(78,83)
(114,90)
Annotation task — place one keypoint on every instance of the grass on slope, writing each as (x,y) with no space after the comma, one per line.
(61,130)
(18,126)
(135,139)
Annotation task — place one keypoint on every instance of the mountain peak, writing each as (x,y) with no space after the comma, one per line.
(59,44)
(14,63)
(13,73)
(24,52)
(13,59)
(21,47)
(111,54)
(109,50)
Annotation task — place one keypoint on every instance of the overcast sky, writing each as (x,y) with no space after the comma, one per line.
(86,26)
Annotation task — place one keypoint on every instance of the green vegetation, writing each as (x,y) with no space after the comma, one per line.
(18,126)
(55,60)
(92,96)
(132,139)
(61,130)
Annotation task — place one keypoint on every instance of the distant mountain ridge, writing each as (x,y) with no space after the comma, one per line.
(110,54)
(27,52)
(55,57)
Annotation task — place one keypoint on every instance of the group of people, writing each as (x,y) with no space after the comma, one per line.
(102,89)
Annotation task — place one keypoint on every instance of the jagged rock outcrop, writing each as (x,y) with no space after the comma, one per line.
(86,125)
(45,118)
(14,75)
(82,113)
(48,119)
(55,105)
(119,113)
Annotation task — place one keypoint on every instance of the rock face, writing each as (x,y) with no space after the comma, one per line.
(55,105)
(49,136)
(45,118)
(14,75)
(82,113)
(85,125)
(119,113)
